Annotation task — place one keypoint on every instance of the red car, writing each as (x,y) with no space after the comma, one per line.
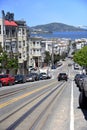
(7,79)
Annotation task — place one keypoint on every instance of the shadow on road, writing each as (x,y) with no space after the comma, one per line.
(85,113)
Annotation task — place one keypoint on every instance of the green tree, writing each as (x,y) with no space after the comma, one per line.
(47,57)
(56,58)
(7,63)
(80,57)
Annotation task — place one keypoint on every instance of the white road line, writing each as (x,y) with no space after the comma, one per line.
(72,109)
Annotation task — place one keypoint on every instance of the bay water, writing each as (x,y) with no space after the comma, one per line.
(70,35)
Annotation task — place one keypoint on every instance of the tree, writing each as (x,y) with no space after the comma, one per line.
(7,63)
(80,57)
(56,58)
(47,57)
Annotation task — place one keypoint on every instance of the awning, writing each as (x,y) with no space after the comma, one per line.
(10,23)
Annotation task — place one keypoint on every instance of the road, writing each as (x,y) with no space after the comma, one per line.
(43,105)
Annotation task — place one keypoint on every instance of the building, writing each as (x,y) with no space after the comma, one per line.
(14,37)
(35,57)
(80,43)
(23,50)
(8,34)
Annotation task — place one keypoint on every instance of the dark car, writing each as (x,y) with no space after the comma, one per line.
(53,67)
(36,76)
(76,78)
(83,94)
(79,80)
(32,77)
(62,76)
(7,79)
(20,78)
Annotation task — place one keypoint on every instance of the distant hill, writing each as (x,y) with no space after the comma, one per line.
(55,27)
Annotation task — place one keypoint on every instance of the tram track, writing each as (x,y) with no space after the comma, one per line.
(25,111)
(15,90)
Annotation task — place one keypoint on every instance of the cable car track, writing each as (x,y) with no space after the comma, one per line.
(36,101)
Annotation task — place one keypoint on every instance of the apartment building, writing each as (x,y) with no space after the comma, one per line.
(23,52)
(14,37)
(80,43)
(35,57)
(56,46)
(8,35)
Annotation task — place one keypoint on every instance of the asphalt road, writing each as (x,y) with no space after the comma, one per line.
(43,105)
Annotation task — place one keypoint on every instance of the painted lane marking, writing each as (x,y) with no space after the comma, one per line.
(23,96)
(72,109)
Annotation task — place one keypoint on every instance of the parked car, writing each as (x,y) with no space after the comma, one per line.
(35,75)
(20,78)
(76,66)
(32,77)
(7,79)
(53,67)
(0,83)
(43,76)
(79,80)
(76,78)
(62,76)
(83,94)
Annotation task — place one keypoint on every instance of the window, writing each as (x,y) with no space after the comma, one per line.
(23,43)
(19,44)
(7,47)
(13,32)
(34,43)
(23,31)
(37,43)
(7,31)
(19,31)
(19,55)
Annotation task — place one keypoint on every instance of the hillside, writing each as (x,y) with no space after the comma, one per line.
(51,27)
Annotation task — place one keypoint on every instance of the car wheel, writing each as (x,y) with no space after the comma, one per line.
(82,100)
(0,84)
(10,83)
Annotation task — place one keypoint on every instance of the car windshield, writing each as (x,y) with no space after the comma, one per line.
(18,76)
(3,76)
(62,73)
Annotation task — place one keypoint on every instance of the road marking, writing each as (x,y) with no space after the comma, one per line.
(72,109)
(24,95)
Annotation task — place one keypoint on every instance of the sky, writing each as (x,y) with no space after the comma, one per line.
(39,12)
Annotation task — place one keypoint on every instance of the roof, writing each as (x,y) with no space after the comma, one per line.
(10,23)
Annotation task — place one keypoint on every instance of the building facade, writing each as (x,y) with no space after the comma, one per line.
(14,37)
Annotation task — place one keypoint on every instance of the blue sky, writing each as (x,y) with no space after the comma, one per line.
(38,12)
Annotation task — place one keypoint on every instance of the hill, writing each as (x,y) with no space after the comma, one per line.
(55,27)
